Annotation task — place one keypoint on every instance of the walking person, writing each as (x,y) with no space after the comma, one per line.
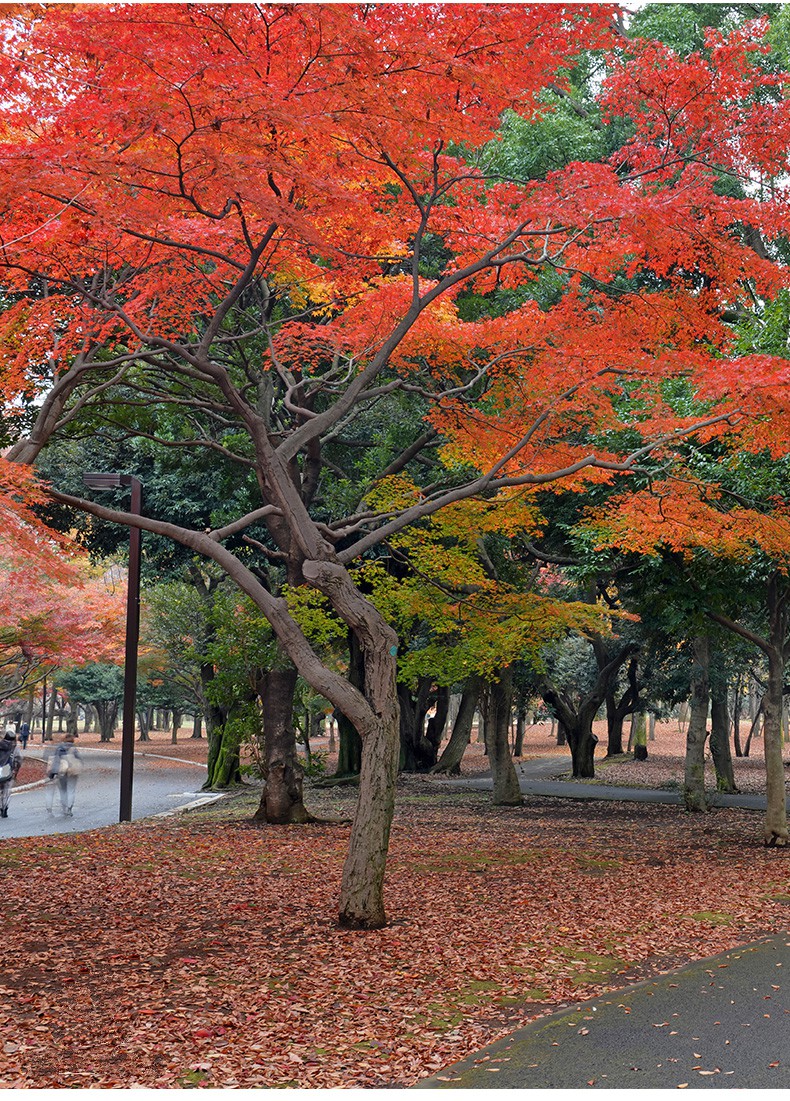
(24,734)
(10,764)
(65,766)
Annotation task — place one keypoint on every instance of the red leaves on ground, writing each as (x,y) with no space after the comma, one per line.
(195,953)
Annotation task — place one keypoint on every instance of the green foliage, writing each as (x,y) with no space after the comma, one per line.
(96,682)
(456,611)
(683,26)
(313,612)
(314,766)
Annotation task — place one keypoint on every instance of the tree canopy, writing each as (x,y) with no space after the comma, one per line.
(263,221)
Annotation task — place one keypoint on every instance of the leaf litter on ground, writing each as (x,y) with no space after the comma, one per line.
(204,951)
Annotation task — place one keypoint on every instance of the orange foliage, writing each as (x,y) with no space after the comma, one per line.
(687,515)
(52,618)
(151,157)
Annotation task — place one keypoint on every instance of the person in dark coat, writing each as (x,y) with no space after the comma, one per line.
(10,764)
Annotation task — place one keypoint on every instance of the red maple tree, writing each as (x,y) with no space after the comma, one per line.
(226,209)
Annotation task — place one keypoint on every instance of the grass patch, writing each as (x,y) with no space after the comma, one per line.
(594,864)
(712,917)
(593,968)
(193,1079)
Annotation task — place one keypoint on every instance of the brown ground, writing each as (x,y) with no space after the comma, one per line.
(203,951)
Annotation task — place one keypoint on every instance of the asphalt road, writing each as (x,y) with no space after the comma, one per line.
(536,778)
(721,1023)
(156,789)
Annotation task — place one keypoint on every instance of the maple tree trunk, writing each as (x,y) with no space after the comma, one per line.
(51,713)
(737,711)
(697,732)
(281,799)
(417,754)
(362,889)
(576,725)
(450,760)
(720,738)
(144,723)
(507,792)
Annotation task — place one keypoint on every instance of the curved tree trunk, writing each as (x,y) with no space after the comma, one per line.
(582,743)
(450,760)
(576,728)
(282,798)
(697,732)
(361,893)
(507,792)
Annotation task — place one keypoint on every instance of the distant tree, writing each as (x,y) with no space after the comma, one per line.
(101,686)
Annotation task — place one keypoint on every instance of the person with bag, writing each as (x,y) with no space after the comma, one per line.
(64,768)
(10,764)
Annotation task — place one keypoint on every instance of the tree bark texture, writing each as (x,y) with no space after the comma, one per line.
(107,715)
(282,797)
(362,894)
(775,832)
(617,711)
(450,760)
(349,758)
(507,792)
(697,732)
(720,748)
(434,728)
(416,753)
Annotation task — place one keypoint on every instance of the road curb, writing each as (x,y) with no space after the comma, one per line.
(202,802)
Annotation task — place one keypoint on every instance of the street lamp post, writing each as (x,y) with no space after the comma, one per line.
(113,481)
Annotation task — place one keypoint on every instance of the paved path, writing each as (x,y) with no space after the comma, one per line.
(157,789)
(533,780)
(721,1023)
